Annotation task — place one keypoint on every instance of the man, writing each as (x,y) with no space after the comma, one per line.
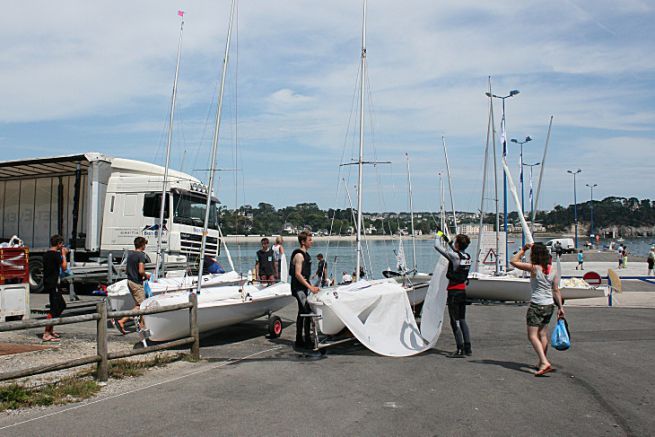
(54,261)
(558,249)
(459,264)
(136,273)
(651,261)
(265,266)
(346,278)
(300,270)
(321,272)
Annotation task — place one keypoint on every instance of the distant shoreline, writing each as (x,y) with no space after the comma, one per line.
(292,238)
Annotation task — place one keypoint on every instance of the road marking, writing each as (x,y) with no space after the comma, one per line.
(140,389)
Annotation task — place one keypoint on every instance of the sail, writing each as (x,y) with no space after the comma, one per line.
(401,262)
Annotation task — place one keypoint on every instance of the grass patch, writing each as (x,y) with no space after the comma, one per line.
(119,369)
(70,389)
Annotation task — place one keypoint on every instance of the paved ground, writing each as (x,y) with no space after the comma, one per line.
(249,385)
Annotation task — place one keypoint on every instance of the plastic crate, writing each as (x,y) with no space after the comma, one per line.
(14,265)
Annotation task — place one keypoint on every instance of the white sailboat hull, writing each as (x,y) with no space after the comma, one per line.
(218,307)
(511,288)
(120,298)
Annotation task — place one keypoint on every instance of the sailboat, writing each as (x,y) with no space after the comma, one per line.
(119,294)
(504,286)
(377,312)
(218,306)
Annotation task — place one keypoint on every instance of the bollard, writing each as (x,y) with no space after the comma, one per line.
(102,369)
(193,325)
(110,265)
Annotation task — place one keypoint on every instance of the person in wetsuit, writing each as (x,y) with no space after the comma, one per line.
(459,264)
(300,271)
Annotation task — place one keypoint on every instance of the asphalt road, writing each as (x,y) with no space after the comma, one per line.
(250,385)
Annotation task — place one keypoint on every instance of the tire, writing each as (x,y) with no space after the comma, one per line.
(36,274)
(274,327)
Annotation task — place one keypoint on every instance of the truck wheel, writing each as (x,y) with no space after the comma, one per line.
(36,274)
(274,327)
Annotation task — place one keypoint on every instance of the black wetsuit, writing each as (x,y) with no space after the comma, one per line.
(459,264)
(300,292)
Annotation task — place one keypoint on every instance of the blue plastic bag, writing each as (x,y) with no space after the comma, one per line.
(561,340)
(147,289)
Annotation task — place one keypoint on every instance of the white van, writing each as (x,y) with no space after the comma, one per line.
(568,245)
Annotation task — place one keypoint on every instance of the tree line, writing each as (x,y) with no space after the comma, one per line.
(265,219)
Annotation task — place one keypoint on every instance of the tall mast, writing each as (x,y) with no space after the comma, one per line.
(450,183)
(217,128)
(484,187)
(493,143)
(160,232)
(411,211)
(442,211)
(360,162)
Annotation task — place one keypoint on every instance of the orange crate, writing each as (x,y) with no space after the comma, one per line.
(14,265)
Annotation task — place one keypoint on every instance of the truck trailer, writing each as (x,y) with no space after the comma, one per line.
(99,204)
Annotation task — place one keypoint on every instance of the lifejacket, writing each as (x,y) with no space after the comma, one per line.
(306,270)
(458,278)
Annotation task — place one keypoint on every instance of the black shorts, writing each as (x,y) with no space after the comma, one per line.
(57,302)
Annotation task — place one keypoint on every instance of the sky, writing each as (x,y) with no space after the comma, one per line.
(81,76)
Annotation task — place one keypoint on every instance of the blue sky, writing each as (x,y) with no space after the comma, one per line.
(97,76)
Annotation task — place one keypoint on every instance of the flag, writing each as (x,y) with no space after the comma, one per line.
(180,13)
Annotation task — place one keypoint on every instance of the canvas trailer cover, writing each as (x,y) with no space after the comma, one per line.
(45,196)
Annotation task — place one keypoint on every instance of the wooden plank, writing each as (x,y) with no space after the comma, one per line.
(193,324)
(102,370)
(145,350)
(134,313)
(29,324)
(48,368)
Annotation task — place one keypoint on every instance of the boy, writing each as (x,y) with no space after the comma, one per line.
(136,273)
(54,261)
(265,266)
(580,261)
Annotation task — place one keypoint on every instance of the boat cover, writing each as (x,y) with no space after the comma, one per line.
(379,315)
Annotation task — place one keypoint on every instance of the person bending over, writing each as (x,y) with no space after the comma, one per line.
(459,264)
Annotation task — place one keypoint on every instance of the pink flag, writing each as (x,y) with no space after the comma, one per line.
(180,13)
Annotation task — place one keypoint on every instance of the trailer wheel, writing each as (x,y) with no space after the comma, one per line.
(36,274)
(274,327)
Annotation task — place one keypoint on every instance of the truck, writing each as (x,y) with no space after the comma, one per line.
(568,245)
(99,204)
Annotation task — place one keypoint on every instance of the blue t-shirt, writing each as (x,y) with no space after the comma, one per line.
(580,257)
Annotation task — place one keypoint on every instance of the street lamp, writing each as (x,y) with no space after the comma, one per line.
(514,140)
(512,93)
(591,228)
(575,205)
(531,194)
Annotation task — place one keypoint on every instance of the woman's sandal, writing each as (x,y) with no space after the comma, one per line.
(543,371)
(120,327)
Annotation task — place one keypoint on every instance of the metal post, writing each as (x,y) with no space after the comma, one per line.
(575,204)
(102,369)
(110,269)
(505,191)
(193,325)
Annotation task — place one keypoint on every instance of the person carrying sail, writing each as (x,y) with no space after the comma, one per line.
(459,264)
(300,271)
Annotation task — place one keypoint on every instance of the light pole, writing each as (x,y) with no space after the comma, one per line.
(575,204)
(514,140)
(531,194)
(591,228)
(503,133)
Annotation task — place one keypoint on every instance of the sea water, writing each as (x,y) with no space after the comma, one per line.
(380,255)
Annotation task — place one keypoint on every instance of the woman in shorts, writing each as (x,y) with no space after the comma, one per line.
(545,295)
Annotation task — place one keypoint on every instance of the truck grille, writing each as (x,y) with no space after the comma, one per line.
(190,245)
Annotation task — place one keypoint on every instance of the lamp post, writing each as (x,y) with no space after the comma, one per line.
(514,140)
(503,132)
(531,194)
(591,228)
(575,205)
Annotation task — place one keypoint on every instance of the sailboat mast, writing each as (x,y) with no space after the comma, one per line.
(450,183)
(442,211)
(541,175)
(217,128)
(493,143)
(360,163)
(484,188)
(160,232)
(411,211)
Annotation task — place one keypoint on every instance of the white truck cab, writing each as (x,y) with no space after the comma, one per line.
(568,245)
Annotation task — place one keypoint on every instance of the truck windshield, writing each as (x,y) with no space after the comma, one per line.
(189,209)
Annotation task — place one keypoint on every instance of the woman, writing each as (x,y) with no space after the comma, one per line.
(545,293)
(278,254)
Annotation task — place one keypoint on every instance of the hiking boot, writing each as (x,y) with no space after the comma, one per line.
(458,354)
